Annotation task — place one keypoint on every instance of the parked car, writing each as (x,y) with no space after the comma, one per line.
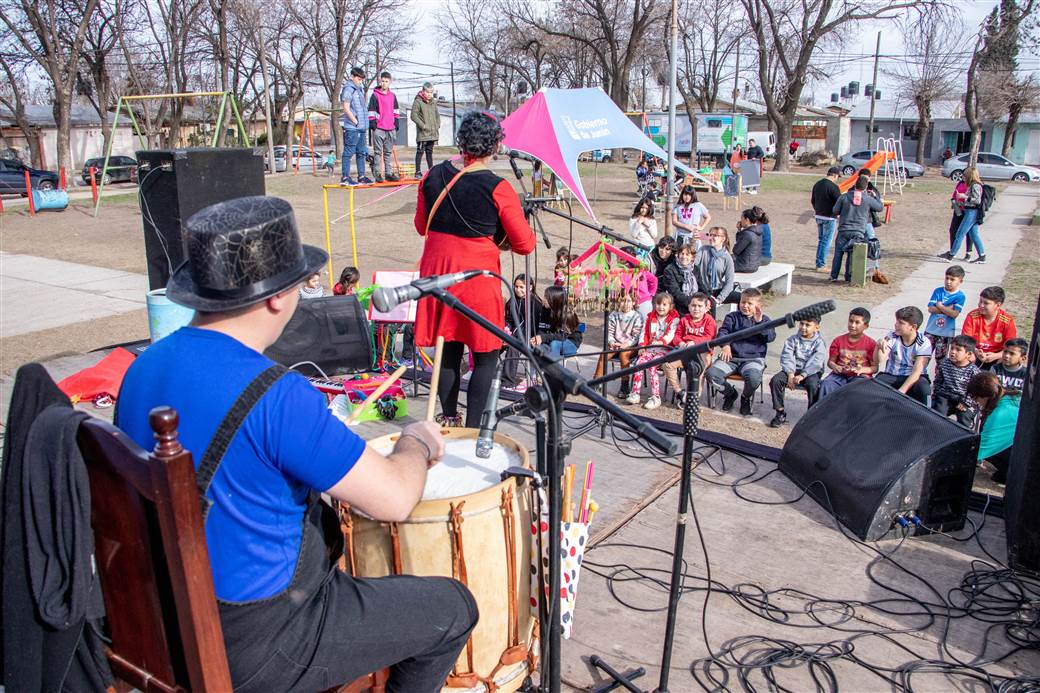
(764,139)
(852,162)
(121,169)
(991,167)
(12,177)
(308,160)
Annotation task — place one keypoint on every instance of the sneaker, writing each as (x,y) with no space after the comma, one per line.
(633,398)
(947,256)
(779,420)
(392,177)
(364,180)
(745,406)
(980,260)
(967,257)
(449,421)
(652,403)
(680,399)
(379,179)
(347,181)
(729,397)
(623,393)
(821,268)
(835,280)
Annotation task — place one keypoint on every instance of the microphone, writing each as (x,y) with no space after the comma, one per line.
(386,298)
(816,310)
(488,420)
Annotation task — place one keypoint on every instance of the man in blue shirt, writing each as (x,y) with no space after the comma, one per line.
(265,443)
(355,125)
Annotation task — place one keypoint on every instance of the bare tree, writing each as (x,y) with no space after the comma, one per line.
(788,33)
(991,71)
(39,27)
(99,46)
(14,95)
(1023,97)
(710,33)
(934,40)
(479,35)
(614,32)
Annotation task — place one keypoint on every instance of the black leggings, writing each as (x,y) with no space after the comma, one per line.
(424,146)
(479,382)
(955,223)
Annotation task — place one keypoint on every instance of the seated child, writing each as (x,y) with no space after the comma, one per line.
(851,355)
(559,326)
(658,335)
(949,393)
(560,271)
(348,282)
(906,352)
(624,330)
(944,307)
(1012,367)
(312,288)
(801,365)
(663,255)
(991,326)
(513,364)
(746,357)
(694,328)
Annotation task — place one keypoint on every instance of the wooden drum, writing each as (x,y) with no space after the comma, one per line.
(473,527)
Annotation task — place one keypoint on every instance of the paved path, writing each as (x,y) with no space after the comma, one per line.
(39,293)
(1000,234)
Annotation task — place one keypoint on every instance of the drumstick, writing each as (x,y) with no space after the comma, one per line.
(586,490)
(568,486)
(435,377)
(376,394)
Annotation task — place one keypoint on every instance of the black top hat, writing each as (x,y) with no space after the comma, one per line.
(240,252)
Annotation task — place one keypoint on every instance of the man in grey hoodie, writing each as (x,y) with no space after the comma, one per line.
(853,211)
(801,365)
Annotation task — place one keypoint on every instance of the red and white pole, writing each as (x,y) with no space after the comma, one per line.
(28,192)
(62,172)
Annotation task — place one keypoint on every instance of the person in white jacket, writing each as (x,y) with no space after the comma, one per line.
(642,226)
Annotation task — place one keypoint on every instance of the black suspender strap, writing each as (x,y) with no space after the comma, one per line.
(233,420)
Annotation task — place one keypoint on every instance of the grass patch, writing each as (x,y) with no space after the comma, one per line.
(1020,281)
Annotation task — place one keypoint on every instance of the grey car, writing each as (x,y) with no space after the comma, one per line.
(852,162)
(991,167)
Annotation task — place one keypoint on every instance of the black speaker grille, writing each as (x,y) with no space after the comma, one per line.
(332,332)
(857,441)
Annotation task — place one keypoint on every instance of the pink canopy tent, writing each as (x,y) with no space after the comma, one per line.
(557,125)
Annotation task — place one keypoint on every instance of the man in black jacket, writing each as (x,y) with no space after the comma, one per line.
(824,196)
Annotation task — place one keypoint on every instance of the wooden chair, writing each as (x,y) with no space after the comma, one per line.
(153,562)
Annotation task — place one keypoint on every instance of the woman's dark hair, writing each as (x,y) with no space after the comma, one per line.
(985,385)
(561,316)
(760,215)
(865,172)
(666,242)
(531,289)
(479,134)
(347,278)
(862,183)
(639,205)
(563,252)
(688,190)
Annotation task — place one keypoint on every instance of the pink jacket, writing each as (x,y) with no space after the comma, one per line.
(646,286)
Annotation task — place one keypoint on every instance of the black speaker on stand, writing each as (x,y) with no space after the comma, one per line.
(330,332)
(173,184)
(873,455)
(1021,518)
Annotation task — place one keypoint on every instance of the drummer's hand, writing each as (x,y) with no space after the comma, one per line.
(429,433)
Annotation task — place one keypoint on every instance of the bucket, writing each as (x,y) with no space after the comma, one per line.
(164,316)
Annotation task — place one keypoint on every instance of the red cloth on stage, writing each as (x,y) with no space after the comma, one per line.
(453,247)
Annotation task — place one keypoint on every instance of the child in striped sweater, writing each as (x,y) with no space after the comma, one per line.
(624,330)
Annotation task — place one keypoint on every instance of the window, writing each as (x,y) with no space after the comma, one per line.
(911,131)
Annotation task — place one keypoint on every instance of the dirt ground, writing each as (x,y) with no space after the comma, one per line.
(386,239)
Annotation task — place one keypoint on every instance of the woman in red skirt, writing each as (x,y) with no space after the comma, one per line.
(474,214)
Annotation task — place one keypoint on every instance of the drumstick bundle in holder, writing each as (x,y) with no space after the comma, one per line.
(574,537)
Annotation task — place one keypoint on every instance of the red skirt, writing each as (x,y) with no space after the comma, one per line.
(445,254)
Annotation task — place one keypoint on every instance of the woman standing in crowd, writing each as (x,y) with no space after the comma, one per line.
(642,226)
(460,213)
(969,219)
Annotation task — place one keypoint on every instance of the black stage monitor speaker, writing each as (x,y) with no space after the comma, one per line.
(331,332)
(176,183)
(872,454)
(1021,517)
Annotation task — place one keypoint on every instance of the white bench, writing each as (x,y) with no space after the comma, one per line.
(775,277)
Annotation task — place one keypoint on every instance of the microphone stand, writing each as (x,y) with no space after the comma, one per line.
(559,382)
(691,359)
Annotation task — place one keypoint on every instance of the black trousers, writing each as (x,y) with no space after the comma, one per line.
(484,364)
(420,147)
(947,406)
(778,387)
(919,391)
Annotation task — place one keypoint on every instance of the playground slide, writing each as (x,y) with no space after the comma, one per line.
(873,164)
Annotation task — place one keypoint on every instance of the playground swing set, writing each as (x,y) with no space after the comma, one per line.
(226,97)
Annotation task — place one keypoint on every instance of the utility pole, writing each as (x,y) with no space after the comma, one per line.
(267,102)
(873,92)
(736,82)
(454,113)
(646,73)
(670,171)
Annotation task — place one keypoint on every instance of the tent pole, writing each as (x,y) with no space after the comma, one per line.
(670,170)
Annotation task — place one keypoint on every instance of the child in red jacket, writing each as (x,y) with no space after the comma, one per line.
(658,335)
(695,327)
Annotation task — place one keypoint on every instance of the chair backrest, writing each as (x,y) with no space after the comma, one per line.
(152,559)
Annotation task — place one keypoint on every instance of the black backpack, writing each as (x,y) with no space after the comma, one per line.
(989,194)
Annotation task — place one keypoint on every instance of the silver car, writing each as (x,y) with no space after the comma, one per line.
(308,160)
(852,162)
(991,167)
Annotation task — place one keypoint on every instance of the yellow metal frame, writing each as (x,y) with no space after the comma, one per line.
(350,212)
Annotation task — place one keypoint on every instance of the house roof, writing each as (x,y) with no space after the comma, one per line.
(42,115)
(900,109)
